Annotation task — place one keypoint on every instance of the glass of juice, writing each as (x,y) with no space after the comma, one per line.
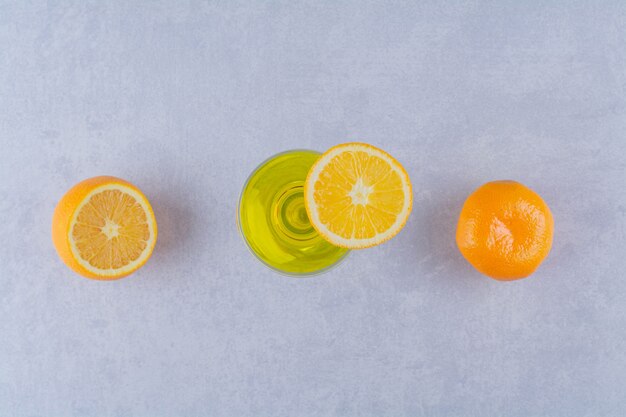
(273,221)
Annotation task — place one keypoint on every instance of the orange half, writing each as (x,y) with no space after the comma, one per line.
(104,228)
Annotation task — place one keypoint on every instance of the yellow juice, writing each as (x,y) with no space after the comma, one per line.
(273,219)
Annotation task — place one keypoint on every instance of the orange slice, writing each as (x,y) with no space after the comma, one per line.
(104,228)
(357,196)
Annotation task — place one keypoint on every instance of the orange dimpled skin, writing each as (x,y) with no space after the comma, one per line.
(505,230)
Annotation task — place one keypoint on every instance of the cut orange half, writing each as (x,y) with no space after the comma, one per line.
(104,228)
(357,196)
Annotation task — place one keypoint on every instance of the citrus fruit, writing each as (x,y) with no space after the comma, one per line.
(357,196)
(104,228)
(505,230)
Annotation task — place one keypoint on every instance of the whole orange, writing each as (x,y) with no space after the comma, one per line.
(505,230)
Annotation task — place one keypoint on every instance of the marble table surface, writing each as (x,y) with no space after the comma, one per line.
(185,98)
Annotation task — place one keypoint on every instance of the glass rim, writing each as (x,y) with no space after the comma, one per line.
(243,236)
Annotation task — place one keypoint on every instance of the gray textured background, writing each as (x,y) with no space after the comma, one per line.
(185,98)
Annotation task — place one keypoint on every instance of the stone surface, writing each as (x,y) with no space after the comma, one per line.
(185,98)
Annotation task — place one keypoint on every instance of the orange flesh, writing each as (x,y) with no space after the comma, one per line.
(111,230)
(358,195)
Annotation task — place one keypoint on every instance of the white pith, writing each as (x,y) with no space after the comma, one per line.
(360,192)
(111,229)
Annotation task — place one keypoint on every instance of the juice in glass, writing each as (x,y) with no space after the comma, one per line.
(273,219)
